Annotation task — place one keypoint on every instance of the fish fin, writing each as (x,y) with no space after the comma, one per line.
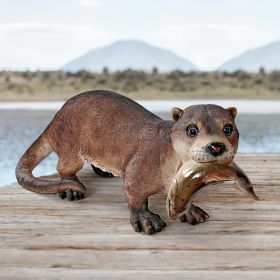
(244,184)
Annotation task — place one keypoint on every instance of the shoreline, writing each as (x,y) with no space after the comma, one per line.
(243,106)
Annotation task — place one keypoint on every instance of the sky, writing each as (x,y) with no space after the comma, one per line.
(45,35)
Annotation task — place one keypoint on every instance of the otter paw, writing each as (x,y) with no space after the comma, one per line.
(71,195)
(146,221)
(194,216)
(101,173)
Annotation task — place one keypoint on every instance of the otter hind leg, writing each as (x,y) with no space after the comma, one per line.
(194,216)
(67,169)
(101,173)
(71,195)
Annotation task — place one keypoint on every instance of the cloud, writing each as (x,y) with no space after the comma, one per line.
(37,25)
(91,3)
(17,26)
(239,3)
(202,29)
(49,29)
(46,45)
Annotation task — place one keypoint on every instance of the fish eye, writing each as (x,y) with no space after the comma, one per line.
(192,130)
(228,128)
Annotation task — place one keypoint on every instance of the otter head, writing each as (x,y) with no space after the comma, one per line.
(205,133)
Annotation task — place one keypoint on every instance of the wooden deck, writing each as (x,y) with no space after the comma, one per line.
(43,237)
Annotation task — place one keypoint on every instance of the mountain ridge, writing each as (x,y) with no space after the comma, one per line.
(266,56)
(134,54)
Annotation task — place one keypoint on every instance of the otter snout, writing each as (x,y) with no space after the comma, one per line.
(215,149)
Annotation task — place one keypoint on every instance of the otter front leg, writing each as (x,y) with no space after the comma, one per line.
(140,182)
(194,216)
(141,218)
(144,220)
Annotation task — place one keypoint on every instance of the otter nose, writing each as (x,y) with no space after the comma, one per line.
(215,149)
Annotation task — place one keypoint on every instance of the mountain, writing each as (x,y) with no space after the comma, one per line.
(267,57)
(136,55)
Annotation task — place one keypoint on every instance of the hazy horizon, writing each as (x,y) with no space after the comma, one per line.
(45,35)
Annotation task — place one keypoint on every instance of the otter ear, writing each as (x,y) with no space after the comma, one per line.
(233,111)
(176,113)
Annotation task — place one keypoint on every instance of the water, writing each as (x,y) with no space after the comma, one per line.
(259,133)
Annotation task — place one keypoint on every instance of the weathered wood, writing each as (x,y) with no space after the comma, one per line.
(44,237)
(120,274)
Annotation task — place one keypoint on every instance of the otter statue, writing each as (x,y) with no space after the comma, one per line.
(120,137)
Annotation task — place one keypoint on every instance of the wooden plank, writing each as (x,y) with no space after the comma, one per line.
(42,236)
(120,274)
(141,259)
(126,241)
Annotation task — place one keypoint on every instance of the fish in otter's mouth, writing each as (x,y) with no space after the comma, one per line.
(193,176)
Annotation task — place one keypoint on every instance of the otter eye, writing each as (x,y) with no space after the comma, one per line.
(192,130)
(228,129)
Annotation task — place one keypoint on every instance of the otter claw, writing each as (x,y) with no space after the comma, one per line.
(62,195)
(75,195)
(71,195)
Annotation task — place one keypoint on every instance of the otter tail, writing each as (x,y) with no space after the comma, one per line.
(39,150)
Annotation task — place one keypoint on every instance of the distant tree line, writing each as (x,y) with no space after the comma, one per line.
(175,84)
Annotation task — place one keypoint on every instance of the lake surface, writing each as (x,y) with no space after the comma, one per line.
(259,133)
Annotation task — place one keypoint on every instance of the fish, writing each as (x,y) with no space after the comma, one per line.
(193,177)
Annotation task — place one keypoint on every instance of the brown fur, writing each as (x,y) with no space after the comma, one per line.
(119,136)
